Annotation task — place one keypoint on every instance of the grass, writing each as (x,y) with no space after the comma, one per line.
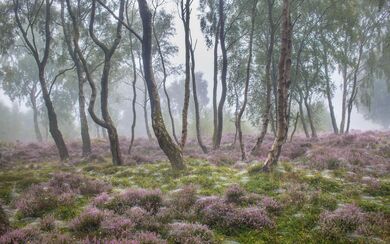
(303,193)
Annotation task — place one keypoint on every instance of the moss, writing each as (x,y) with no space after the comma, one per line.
(6,193)
(67,212)
(383,190)
(321,183)
(371,206)
(263,183)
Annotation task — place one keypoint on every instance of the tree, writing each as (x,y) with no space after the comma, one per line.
(166,143)
(284,68)
(41,61)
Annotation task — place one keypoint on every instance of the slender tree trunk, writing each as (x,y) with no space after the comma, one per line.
(33,100)
(85,138)
(223,74)
(196,103)
(248,69)
(134,101)
(98,131)
(215,86)
(166,143)
(283,87)
(295,127)
(302,116)
(268,81)
(344,100)
(310,117)
(41,65)
(185,16)
(329,94)
(146,116)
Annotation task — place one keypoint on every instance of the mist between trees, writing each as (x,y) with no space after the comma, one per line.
(105,69)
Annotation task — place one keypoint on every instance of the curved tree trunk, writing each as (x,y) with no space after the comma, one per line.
(248,69)
(166,143)
(295,127)
(134,101)
(266,116)
(221,104)
(41,65)
(215,86)
(284,81)
(196,103)
(185,16)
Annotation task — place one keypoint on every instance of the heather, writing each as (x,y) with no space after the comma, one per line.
(334,189)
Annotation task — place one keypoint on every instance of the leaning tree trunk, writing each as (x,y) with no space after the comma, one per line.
(248,69)
(41,65)
(166,143)
(223,74)
(283,88)
(310,117)
(266,115)
(133,103)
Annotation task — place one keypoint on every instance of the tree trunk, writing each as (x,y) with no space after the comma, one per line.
(283,88)
(248,69)
(223,74)
(268,81)
(310,117)
(302,116)
(85,138)
(185,16)
(329,93)
(33,99)
(146,116)
(295,127)
(133,123)
(196,103)
(166,143)
(215,86)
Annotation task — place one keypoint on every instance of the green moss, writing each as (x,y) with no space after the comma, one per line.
(371,206)
(321,183)
(6,193)
(67,212)
(263,183)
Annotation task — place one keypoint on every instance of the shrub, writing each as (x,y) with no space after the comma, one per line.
(190,234)
(116,226)
(342,220)
(219,214)
(101,199)
(148,238)
(36,200)
(25,235)
(55,238)
(150,200)
(185,198)
(4,223)
(88,221)
(253,218)
(271,205)
(47,223)
(234,194)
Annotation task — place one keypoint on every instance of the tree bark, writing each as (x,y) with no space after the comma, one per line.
(41,63)
(33,99)
(146,116)
(185,16)
(134,101)
(295,127)
(248,69)
(268,81)
(310,117)
(284,81)
(166,143)
(223,74)
(196,103)
(215,85)
(85,137)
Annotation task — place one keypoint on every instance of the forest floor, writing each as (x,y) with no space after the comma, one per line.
(332,190)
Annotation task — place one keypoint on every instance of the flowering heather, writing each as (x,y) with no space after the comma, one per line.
(184,198)
(253,218)
(219,214)
(148,238)
(47,223)
(150,200)
(190,234)
(234,194)
(88,221)
(116,226)
(36,200)
(270,204)
(344,219)
(101,199)
(24,235)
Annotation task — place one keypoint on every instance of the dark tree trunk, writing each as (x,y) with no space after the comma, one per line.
(33,99)
(283,87)
(146,116)
(248,69)
(215,86)
(85,138)
(329,94)
(166,143)
(185,16)
(196,103)
(302,116)
(223,74)
(134,101)
(295,127)
(41,64)
(268,80)
(310,118)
